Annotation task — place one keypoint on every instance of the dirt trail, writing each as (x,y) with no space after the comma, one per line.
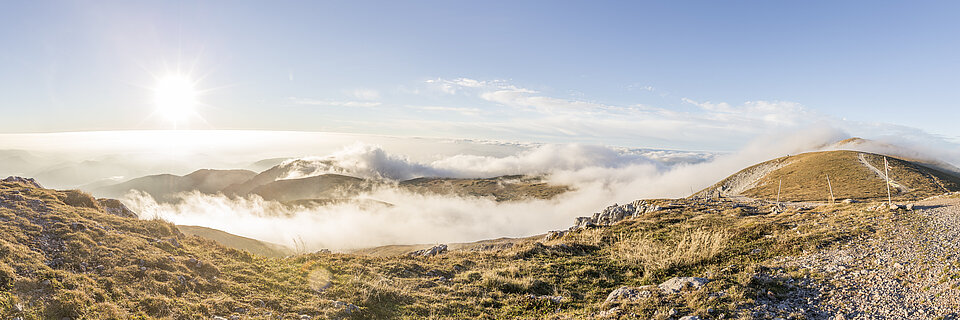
(880,173)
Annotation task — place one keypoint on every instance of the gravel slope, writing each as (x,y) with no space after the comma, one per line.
(909,269)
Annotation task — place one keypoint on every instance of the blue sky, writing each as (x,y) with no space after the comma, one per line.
(705,75)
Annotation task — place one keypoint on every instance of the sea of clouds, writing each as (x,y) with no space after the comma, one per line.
(600,176)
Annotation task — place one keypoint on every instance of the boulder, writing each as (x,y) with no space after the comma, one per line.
(690,318)
(677,284)
(582,223)
(433,251)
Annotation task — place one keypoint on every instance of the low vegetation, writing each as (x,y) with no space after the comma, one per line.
(61,258)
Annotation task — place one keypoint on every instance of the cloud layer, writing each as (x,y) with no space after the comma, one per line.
(600,177)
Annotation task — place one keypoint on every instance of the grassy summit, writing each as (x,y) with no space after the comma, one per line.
(804,178)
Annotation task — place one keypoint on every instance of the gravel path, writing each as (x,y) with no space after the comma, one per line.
(909,269)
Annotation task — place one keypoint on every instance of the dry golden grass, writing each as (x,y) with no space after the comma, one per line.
(689,248)
(143,267)
(804,178)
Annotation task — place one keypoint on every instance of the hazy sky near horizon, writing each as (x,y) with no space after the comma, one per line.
(704,75)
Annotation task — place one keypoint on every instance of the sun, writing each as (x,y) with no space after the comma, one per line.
(175,97)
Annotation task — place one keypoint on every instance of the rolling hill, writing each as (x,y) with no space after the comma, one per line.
(258,247)
(326,186)
(852,175)
(164,186)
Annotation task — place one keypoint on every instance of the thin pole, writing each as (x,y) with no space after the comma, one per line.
(832,199)
(886,174)
(778,190)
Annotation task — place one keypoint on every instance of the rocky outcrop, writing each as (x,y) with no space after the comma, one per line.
(27,181)
(117,208)
(554,235)
(433,251)
(614,214)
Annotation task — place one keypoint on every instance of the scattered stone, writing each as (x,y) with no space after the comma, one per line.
(778,209)
(555,299)
(348,307)
(433,251)
(677,284)
(612,312)
(690,318)
(630,293)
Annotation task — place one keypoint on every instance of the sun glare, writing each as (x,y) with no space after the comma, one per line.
(175,97)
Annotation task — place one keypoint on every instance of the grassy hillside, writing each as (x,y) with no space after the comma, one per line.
(257,247)
(63,256)
(804,178)
(505,188)
(327,186)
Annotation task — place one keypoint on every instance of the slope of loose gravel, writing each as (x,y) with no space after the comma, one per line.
(908,269)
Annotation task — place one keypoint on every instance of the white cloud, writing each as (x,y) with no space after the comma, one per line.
(599,176)
(535,114)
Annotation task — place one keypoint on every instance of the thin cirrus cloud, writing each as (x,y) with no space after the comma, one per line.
(334,103)
(535,114)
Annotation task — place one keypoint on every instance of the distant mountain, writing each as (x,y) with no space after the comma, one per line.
(327,186)
(17,162)
(164,186)
(852,174)
(272,185)
(265,164)
(267,176)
